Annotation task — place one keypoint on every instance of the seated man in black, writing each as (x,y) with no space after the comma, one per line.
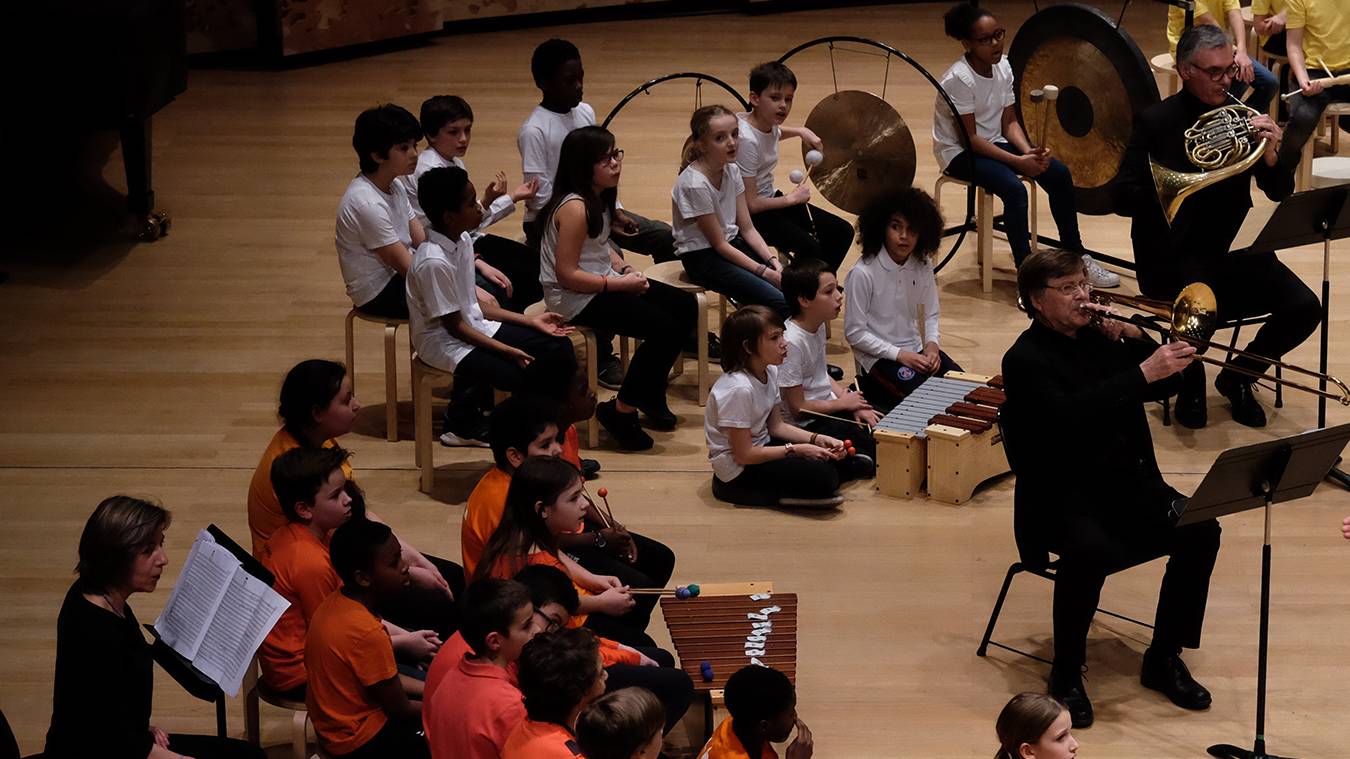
(1194,247)
(1093,494)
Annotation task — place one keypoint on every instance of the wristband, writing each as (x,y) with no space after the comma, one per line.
(787,451)
(760,271)
(812,440)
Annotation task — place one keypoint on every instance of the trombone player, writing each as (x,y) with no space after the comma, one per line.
(1193,245)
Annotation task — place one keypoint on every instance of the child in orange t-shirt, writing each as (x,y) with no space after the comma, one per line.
(622,724)
(358,702)
(763,707)
(311,486)
(559,674)
(479,705)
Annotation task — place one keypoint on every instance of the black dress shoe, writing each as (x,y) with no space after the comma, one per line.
(590,468)
(623,427)
(1166,672)
(1246,409)
(660,418)
(836,373)
(1075,699)
(1190,410)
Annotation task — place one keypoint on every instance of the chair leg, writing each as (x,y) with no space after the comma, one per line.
(702,342)
(625,348)
(252,721)
(391,383)
(984,240)
(1031,212)
(593,382)
(1013,570)
(351,348)
(424,431)
(299,725)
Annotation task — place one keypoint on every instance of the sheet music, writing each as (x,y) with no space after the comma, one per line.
(205,578)
(246,614)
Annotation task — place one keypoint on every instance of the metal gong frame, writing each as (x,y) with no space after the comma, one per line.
(889,52)
(699,79)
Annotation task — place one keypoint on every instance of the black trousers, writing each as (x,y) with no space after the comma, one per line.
(553,367)
(1305,112)
(889,382)
(859,436)
(671,686)
(764,484)
(392,302)
(655,564)
(396,739)
(663,318)
(1119,535)
(518,263)
(1248,284)
(805,230)
(213,747)
(419,608)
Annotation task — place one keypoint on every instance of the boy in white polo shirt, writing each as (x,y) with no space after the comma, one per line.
(484,345)
(376,230)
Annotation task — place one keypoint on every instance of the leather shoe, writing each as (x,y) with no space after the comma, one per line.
(1190,410)
(1246,409)
(1166,672)
(1075,699)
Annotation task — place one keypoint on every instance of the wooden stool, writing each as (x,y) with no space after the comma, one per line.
(1329,171)
(1331,117)
(391,326)
(423,377)
(984,223)
(253,691)
(672,273)
(1164,63)
(591,355)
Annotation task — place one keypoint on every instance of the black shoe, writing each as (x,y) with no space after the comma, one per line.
(590,468)
(1070,692)
(836,373)
(714,348)
(660,418)
(623,427)
(1246,409)
(1190,410)
(859,466)
(610,372)
(1166,672)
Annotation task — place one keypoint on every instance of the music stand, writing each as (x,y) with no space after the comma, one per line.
(1259,476)
(1320,215)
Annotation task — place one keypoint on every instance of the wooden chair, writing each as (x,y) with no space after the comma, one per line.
(391,326)
(424,376)
(672,273)
(591,355)
(255,690)
(984,223)
(1330,118)
(1165,64)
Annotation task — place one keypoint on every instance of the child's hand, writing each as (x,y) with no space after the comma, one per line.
(868,416)
(854,401)
(930,352)
(1029,165)
(623,224)
(810,139)
(161,738)
(551,324)
(801,746)
(421,645)
(618,541)
(800,194)
(495,189)
(774,277)
(812,452)
(616,601)
(632,282)
(493,275)
(916,361)
(526,190)
(1345,528)
(519,356)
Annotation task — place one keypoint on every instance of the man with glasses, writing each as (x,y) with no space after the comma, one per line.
(1227,14)
(1088,484)
(1195,246)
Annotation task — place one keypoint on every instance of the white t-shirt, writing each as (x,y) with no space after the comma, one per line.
(368,219)
(441,282)
(986,97)
(757,154)
(594,259)
(881,315)
(694,195)
(540,142)
(805,365)
(739,400)
(429,159)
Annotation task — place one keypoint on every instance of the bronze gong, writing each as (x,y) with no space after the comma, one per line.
(1104,80)
(868,149)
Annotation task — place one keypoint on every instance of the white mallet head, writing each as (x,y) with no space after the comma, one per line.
(1051,92)
(796,176)
(814,157)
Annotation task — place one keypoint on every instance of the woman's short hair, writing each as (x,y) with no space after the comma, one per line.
(1024,720)
(1041,267)
(741,333)
(619,723)
(556,671)
(120,529)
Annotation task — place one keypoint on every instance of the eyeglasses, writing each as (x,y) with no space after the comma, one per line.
(991,39)
(1072,288)
(1217,73)
(613,156)
(551,624)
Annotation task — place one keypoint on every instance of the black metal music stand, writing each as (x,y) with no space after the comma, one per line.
(1259,476)
(1304,218)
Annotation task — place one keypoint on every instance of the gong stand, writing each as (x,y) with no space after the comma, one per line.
(699,79)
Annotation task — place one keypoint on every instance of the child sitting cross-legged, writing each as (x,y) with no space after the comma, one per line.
(763,707)
(559,674)
(622,724)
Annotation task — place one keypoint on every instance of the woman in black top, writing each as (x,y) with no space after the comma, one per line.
(104,674)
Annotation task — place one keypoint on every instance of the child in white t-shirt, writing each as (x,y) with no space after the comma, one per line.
(787,222)
(715,239)
(506,269)
(757,457)
(452,331)
(814,298)
(888,290)
(376,230)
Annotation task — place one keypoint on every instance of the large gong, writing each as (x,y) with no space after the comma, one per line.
(1103,80)
(868,149)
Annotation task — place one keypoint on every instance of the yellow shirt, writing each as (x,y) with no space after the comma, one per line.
(1176,18)
(1267,7)
(1326,33)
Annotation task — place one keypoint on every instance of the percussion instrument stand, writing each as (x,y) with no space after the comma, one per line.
(1259,476)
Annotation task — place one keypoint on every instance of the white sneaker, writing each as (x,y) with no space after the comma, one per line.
(1097,276)
(451,440)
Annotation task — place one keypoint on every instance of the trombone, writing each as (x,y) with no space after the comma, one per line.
(1194,317)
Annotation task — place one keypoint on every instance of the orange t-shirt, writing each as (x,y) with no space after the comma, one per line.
(725,745)
(304,577)
(482,514)
(507,566)
(347,650)
(474,713)
(571,446)
(264,510)
(446,659)
(611,653)
(540,740)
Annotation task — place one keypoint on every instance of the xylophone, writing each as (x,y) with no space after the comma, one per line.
(729,626)
(944,433)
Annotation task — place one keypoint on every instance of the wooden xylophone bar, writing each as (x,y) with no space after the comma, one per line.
(714,629)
